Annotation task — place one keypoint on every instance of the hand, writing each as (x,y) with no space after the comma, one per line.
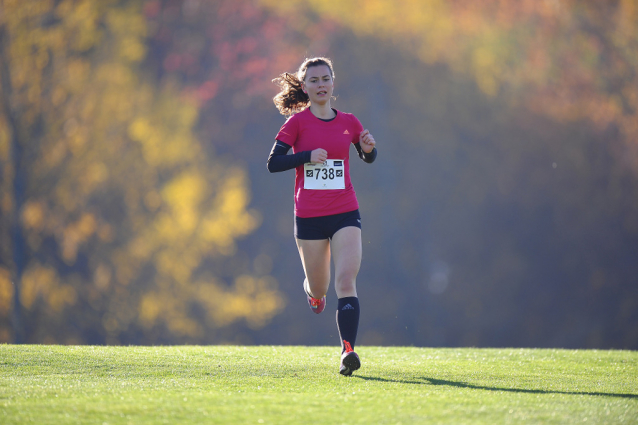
(318,156)
(366,141)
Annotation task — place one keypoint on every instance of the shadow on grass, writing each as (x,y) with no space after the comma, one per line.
(433,381)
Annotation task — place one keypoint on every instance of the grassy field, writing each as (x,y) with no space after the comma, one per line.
(279,385)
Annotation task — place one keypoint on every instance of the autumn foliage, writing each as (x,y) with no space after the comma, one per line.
(121,206)
(136,207)
(570,59)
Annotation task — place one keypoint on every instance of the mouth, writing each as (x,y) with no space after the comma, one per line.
(322,93)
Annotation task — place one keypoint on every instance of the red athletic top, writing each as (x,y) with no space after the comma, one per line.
(305,132)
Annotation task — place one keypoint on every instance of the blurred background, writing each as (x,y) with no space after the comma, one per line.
(136,207)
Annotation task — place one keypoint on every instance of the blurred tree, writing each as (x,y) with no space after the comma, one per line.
(504,204)
(501,210)
(492,224)
(224,54)
(571,60)
(11,238)
(113,194)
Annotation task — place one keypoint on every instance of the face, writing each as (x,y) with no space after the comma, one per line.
(318,84)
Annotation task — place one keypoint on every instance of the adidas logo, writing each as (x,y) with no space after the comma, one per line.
(347,307)
(346,132)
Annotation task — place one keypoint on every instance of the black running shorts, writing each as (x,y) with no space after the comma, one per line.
(325,227)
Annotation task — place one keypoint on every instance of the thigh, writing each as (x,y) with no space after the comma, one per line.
(315,258)
(346,254)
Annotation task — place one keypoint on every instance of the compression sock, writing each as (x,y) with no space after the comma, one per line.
(348,320)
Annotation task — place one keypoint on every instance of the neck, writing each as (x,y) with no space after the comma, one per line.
(322,111)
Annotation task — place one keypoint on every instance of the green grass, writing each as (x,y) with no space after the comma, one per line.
(278,385)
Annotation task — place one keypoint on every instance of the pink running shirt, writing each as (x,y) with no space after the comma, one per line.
(305,132)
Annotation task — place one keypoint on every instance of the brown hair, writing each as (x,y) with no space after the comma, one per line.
(291,97)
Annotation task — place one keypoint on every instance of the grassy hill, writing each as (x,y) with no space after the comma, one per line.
(284,384)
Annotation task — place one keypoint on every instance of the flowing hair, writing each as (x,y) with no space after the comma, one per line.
(291,97)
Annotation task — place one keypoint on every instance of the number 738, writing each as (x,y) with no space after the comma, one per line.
(328,173)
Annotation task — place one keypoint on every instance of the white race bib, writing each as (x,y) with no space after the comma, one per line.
(329,175)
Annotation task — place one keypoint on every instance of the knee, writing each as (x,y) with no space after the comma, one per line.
(346,282)
(346,288)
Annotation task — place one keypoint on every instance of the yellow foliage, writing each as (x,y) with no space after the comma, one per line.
(43,282)
(127,21)
(485,63)
(33,214)
(132,49)
(150,309)
(183,196)
(230,218)
(165,134)
(119,174)
(63,295)
(37,281)
(76,234)
(180,324)
(4,138)
(170,264)
(6,290)
(77,74)
(96,173)
(102,276)
(256,300)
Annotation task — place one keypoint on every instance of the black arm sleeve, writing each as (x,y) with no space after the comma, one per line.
(279,160)
(366,157)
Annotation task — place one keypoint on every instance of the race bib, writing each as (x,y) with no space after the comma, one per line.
(329,175)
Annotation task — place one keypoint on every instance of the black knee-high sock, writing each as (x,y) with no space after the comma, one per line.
(348,320)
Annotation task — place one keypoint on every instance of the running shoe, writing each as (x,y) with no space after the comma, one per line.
(316,305)
(349,360)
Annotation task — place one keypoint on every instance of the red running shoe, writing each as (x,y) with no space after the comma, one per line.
(316,306)
(349,360)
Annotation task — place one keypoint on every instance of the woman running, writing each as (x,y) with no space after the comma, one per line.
(326,208)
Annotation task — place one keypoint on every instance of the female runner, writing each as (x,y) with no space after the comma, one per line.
(326,209)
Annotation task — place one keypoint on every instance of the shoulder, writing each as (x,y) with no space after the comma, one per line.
(346,115)
(300,116)
(351,118)
(296,119)
(293,120)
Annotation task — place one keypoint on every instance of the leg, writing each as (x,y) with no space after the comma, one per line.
(346,248)
(315,258)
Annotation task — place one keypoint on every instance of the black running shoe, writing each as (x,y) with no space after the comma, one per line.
(349,361)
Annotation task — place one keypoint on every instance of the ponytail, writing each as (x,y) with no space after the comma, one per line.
(291,97)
